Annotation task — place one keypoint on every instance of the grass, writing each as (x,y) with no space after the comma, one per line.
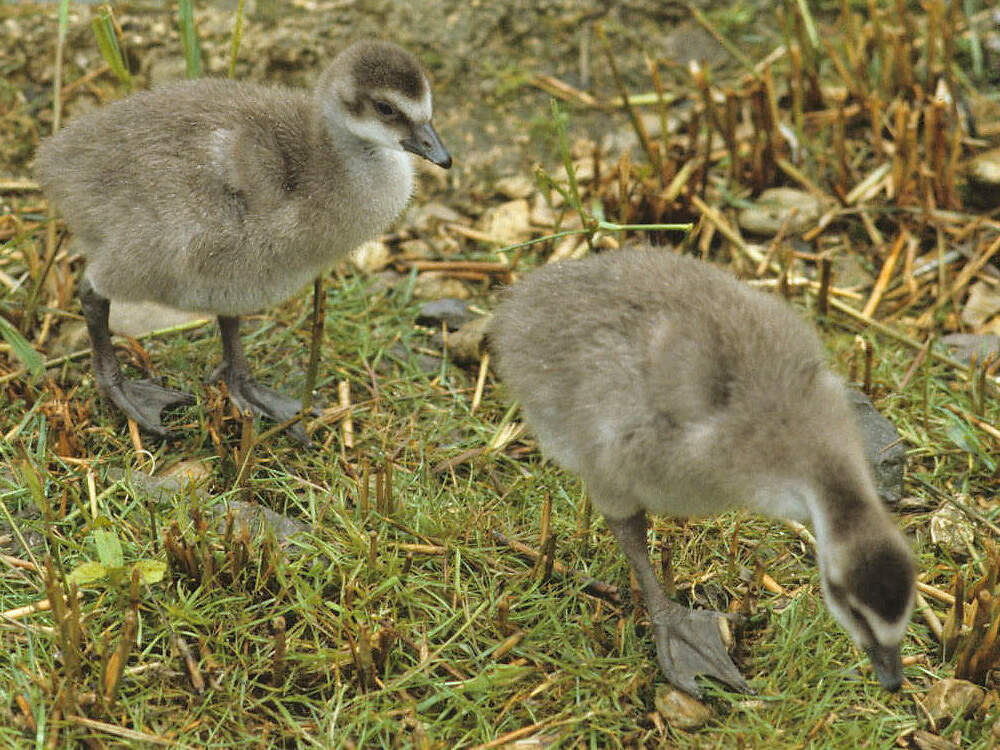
(582,670)
(397,619)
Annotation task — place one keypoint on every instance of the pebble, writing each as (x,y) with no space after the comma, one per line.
(985,168)
(516,186)
(431,285)
(769,212)
(139,318)
(884,449)
(371,256)
(950,699)
(983,303)
(509,222)
(679,709)
(416,250)
(951,530)
(468,343)
(964,346)
(454,313)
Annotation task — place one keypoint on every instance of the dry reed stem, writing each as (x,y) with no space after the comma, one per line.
(885,274)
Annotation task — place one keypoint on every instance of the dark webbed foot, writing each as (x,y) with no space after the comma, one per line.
(143,400)
(688,641)
(140,400)
(249,395)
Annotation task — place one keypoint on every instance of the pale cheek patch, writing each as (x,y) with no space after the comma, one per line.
(375,132)
(885,632)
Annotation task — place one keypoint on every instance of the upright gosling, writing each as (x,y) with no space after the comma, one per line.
(670,387)
(222,197)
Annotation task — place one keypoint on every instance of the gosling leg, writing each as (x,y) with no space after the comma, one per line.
(688,641)
(245,392)
(140,400)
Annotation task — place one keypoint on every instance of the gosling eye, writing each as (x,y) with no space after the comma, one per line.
(384,109)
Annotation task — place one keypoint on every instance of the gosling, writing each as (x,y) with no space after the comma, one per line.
(226,197)
(670,387)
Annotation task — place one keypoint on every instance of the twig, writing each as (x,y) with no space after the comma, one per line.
(885,274)
(318,319)
(932,620)
(591,585)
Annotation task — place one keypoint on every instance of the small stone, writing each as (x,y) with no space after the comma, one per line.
(773,207)
(432,285)
(468,343)
(139,318)
(965,346)
(415,250)
(160,488)
(951,699)
(516,186)
(257,519)
(951,530)
(983,303)
(571,246)
(985,168)
(194,470)
(385,280)
(454,313)
(883,447)
(849,273)
(583,170)
(542,214)
(688,42)
(922,740)
(679,709)
(426,217)
(426,363)
(509,222)
(371,257)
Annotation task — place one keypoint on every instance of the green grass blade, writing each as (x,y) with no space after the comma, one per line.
(189,38)
(63,18)
(21,348)
(107,43)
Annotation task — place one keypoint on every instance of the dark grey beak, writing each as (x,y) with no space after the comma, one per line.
(888,665)
(424,141)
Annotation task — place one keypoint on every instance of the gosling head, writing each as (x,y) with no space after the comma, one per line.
(868,576)
(380,94)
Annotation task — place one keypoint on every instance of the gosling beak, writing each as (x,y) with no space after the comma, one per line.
(888,665)
(424,141)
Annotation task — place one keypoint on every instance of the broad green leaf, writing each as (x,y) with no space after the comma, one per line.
(109,549)
(961,438)
(19,345)
(151,571)
(87,572)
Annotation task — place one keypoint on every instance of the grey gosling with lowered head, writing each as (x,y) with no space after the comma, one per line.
(671,387)
(226,197)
